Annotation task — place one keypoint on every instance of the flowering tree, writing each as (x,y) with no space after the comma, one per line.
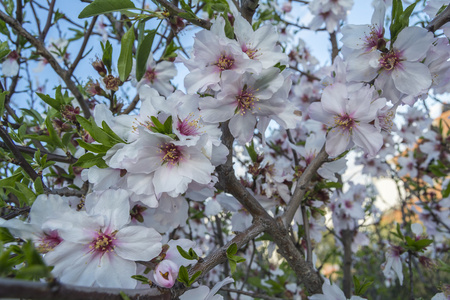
(121,185)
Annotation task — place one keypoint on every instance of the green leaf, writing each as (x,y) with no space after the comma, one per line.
(27,192)
(232,266)
(2,102)
(4,49)
(89,160)
(141,278)
(107,55)
(38,186)
(99,7)
(124,296)
(96,148)
(183,275)
(184,253)
(143,51)
(6,236)
(195,276)
(232,250)
(50,101)
(111,133)
(251,151)
(125,62)
(229,31)
(52,133)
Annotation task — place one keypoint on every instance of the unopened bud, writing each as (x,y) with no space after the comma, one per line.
(99,66)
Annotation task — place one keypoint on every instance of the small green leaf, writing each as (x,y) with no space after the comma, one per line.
(195,276)
(141,278)
(49,100)
(124,296)
(89,160)
(99,7)
(184,253)
(143,51)
(107,55)
(38,186)
(183,275)
(125,62)
(96,148)
(251,152)
(232,250)
(2,102)
(6,236)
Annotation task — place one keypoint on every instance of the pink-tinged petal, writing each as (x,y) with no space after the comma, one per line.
(138,183)
(199,293)
(334,99)
(358,107)
(337,141)
(138,243)
(215,111)
(316,112)
(333,292)
(242,127)
(220,284)
(412,78)
(166,273)
(368,137)
(197,167)
(10,67)
(201,79)
(115,272)
(73,264)
(397,267)
(414,42)
(176,182)
(113,204)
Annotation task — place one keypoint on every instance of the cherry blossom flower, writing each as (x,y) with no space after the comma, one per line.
(332,292)
(98,247)
(347,115)
(204,293)
(158,76)
(393,262)
(10,67)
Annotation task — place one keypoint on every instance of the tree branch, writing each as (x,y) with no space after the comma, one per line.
(15,288)
(83,46)
(175,11)
(50,156)
(18,155)
(40,48)
(301,186)
(440,20)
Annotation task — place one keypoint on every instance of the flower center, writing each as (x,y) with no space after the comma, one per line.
(225,62)
(49,242)
(136,213)
(189,126)
(164,275)
(252,53)
(246,100)
(150,75)
(171,154)
(389,60)
(103,242)
(346,122)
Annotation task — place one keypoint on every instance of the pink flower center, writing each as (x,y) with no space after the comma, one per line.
(374,37)
(189,126)
(251,53)
(390,60)
(225,62)
(246,100)
(49,242)
(103,243)
(346,122)
(171,154)
(150,75)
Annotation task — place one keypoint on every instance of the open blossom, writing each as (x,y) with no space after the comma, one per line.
(332,292)
(99,248)
(347,115)
(158,76)
(204,293)
(242,100)
(214,53)
(394,262)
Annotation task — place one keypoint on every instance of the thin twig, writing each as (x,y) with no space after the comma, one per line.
(48,24)
(83,46)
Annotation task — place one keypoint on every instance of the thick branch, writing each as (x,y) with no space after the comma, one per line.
(302,184)
(220,255)
(40,48)
(248,9)
(440,20)
(14,288)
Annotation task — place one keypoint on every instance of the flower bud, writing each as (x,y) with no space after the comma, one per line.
(165,273)
(99,66)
